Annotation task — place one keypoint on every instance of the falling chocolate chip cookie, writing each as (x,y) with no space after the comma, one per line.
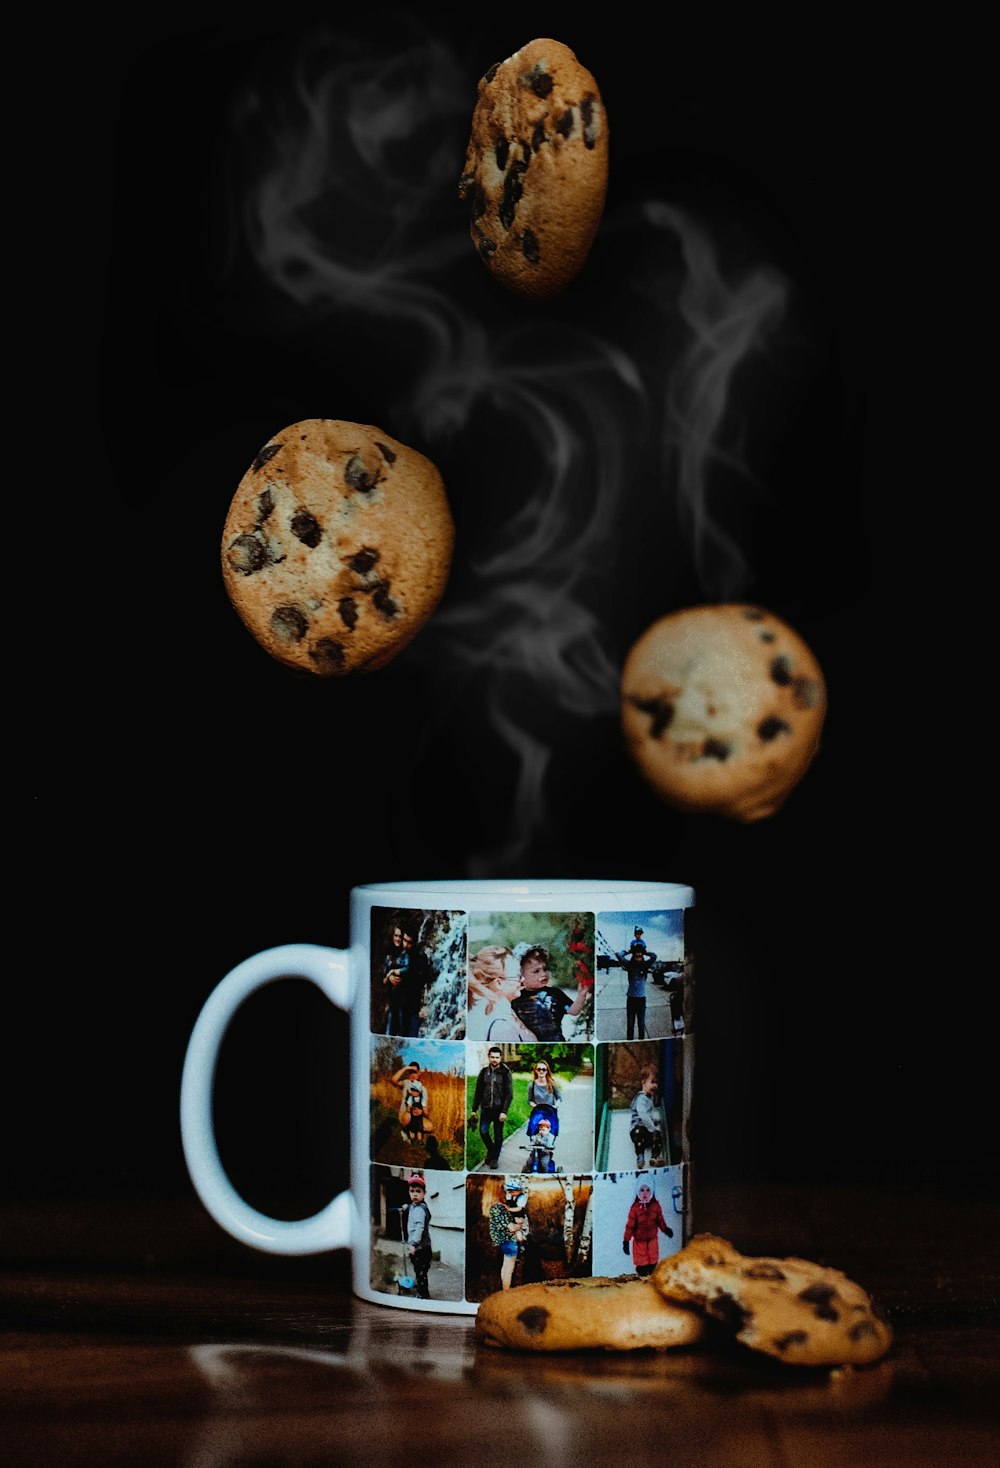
(601,1313)
(337,546)
(536,169)
(722,708)
(803,1313)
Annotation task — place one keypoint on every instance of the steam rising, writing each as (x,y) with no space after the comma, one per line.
(725,323)
(348,212)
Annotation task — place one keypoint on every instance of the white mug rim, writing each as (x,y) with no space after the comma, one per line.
(524,890)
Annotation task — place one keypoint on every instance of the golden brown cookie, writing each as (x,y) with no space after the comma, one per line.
(722,708)
(536,169)
(337,546)
(596,1314)
(799,1312)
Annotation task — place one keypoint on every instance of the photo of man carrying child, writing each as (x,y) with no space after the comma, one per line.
(641,967)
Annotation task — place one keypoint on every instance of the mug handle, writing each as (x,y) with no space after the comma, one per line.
(329,970)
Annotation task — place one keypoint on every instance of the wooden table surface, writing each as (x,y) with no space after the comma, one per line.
(137,1333)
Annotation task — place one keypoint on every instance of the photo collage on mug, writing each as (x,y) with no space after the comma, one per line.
(530,1086)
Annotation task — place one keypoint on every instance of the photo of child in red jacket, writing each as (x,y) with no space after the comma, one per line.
(642,1229)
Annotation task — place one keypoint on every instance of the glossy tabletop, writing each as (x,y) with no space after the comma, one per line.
(138,1334)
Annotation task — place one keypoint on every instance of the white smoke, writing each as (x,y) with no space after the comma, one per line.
(347,212)
(726,324)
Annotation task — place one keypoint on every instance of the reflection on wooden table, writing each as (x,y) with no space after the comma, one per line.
(140,1336)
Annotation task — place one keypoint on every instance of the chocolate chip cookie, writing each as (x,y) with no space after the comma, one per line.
(799,1312)
(536,169)
(337,546)
(602,1313)
(722,708)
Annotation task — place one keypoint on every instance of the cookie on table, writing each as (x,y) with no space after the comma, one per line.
(792,1309)
(536,170)
(602,1313)
(722,708)
(337,546)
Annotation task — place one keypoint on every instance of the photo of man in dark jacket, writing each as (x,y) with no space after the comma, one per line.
(491,1102)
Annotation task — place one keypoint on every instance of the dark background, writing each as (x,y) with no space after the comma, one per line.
(201,803)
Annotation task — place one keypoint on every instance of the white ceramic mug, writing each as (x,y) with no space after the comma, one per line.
(520,1086)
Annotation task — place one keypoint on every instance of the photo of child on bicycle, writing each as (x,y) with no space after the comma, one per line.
(545,1094)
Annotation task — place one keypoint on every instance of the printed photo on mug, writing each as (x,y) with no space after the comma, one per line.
(640,1104)
(638,1220)
(641,965)
(531,976)
(418,1103)
(490,1099)
(417,1233)
(530,1108)
(522,1229)
(418,973)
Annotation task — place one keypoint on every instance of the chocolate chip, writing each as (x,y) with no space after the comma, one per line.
(529,247)
(534,1319)
(306,527)
(264,456)
(763,1271)
(753,614)
(781,669)
(384,601)
(387,453)
(525,149)
(348,609)
(806,693)
(491,71)
(792,1338)
(717,749)
(659,709)
(465,184)
(248,554)
(767,637)
(565,124)
(591,121)
(486,247)
(538,136)
(729,1311)
(477,201)
(769,729)
(513,188)
(862,1329)
(821,1296)
(328,653)
(537,80)
(501,150)
(289,624)
(265,505)
(357,475)
(363,560)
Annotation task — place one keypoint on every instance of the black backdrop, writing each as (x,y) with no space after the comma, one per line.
(204,802)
